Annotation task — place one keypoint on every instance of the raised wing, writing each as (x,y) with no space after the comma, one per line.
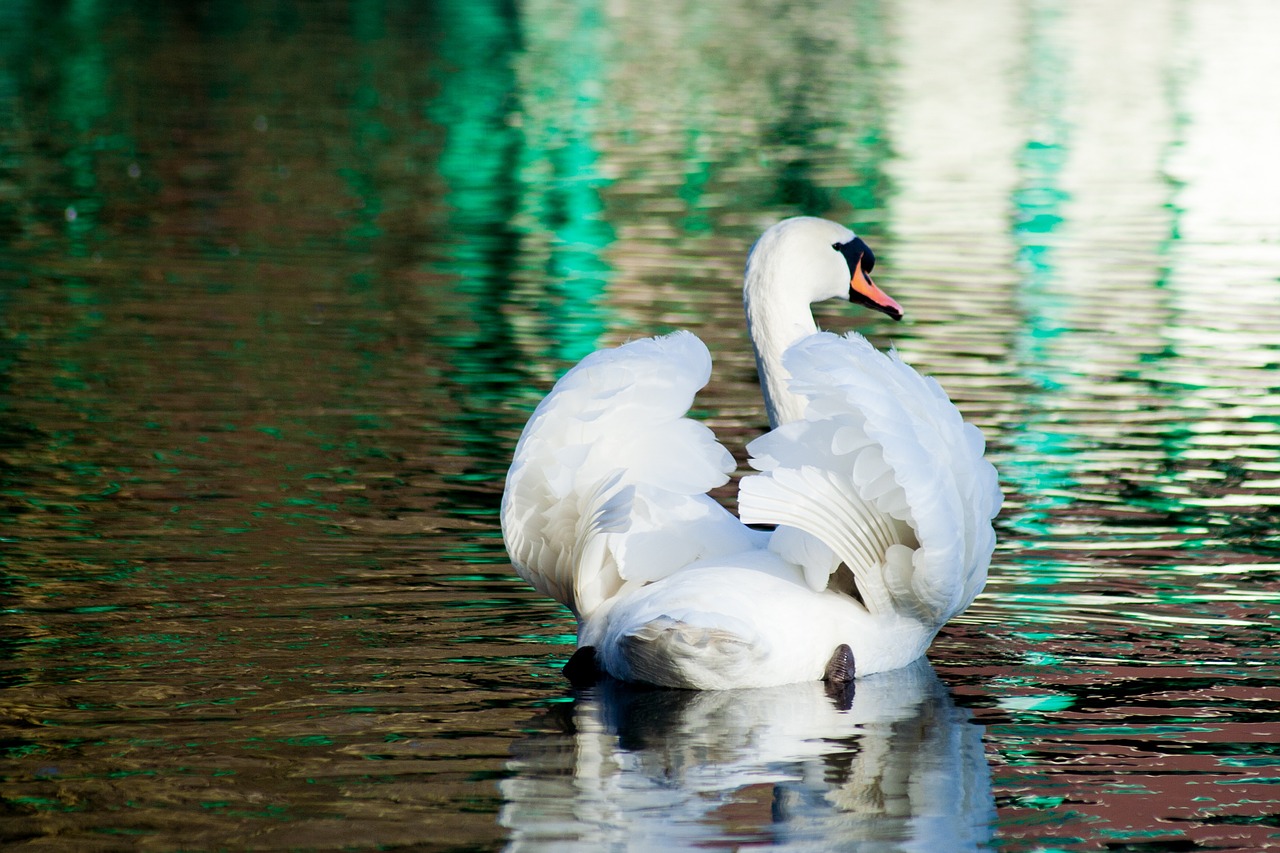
(885,474)
(608,485)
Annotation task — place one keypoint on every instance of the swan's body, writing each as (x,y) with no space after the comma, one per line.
(881,495)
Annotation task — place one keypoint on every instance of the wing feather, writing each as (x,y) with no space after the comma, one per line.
(608,484)
(884,470)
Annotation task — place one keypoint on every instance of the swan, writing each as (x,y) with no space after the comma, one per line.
(878,491)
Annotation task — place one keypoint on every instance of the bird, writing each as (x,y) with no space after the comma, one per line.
(865,526)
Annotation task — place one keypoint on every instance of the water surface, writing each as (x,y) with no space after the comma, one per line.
(280,284)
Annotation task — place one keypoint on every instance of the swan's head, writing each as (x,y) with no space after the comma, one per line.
(817,259)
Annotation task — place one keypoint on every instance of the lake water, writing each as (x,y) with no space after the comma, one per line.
(280,282)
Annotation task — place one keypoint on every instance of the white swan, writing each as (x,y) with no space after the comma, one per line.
(881,495)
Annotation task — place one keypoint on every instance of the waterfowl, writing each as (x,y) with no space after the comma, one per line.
(879,493)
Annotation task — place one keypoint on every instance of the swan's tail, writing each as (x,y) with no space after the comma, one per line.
(607,488)
(884,474)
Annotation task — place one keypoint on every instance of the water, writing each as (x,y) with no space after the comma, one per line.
(281,282)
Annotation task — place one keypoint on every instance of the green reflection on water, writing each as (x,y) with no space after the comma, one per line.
(1040,468)
(517,189)
(83,106)
(478,162)
(559,119)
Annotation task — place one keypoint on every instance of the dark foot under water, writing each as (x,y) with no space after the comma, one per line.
(583,670)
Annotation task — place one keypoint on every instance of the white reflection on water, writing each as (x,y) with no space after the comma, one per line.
(902,768)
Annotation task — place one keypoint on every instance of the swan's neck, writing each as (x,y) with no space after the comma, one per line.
(775,322)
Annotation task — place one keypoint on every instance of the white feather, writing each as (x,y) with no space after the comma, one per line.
(609,478)
(888,448)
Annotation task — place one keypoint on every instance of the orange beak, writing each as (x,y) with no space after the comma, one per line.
(864,291)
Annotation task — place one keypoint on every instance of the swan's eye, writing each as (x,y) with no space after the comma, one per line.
(856,250)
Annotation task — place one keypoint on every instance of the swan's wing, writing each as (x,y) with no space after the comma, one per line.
(608,485)
(885,473)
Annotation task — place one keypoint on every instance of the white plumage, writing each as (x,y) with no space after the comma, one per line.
(881,495)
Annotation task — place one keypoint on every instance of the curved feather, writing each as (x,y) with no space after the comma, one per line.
(608,486)
(885,472)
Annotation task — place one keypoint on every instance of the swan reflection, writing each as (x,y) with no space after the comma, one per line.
(900,767)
